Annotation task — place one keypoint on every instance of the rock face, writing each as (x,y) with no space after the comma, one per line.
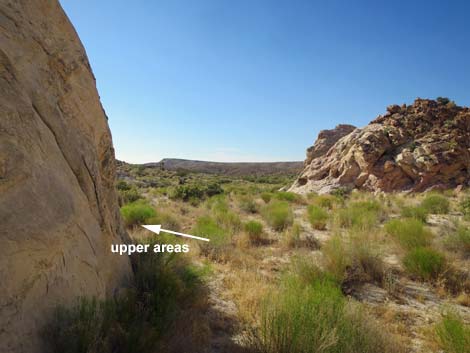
(58,208)
(410,148)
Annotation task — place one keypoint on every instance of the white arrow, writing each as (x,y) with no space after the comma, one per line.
(157,228)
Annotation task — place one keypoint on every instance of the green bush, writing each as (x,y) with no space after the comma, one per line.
(317,217)
(136,320)
(325,201)
(166,220)
(278,214)
(410,233)
(122,185)
(443,100)
(254,230)
(286,196)
(418,212)
(266,196)
(453,334)
(425,263)
(137,213)
(436,204)
(460,240)
(355,259)
(362,215)
(316,318)
(194,193)
(248,204)
(187,192)
(220,239)
(291,236)
(465,206)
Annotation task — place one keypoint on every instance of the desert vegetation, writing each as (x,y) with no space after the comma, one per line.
(283,272)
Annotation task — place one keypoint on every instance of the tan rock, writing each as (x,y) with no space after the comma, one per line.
(58,208)
(413,148)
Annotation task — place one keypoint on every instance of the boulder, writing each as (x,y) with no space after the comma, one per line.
(58,208)
(410,148)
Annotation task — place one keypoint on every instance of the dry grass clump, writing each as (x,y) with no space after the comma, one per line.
(452,334)
(220,239)
(310,314)
(248,204)
(291,236)
(361,215)
(409,233)
(165,292)
(417,212)
(278,214)
(459,241)
(425,263)
(436,204)
(254,230)
(317,216)
(324,201)
(353,260)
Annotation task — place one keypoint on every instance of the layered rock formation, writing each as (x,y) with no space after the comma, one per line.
(58,208)
(410,148)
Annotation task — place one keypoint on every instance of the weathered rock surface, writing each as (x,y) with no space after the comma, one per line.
(58,208)
(410,148)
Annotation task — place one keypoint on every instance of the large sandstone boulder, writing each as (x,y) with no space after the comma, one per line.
(410,148)
(58,209)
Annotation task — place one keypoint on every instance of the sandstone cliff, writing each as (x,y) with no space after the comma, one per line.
(58,209)
(410,148)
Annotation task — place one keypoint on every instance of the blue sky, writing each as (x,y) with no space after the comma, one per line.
(256,80)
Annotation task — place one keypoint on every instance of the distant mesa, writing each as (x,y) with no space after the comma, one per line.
(229,169)
(417,147)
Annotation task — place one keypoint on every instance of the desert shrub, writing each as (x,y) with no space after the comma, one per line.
(220,239)
(286,196)
(291,236)
(186,192)
(460,240)
(366,264)
(453,335)
(336,259)
(410,233)
(278,214)
(166,219)
(122,185)
(248,204)
(136,320)
(418,212)
(425,263)
(316,318)
(213,189)
(354,260)
(137,213)
(317,217)
(128,194)
(266,196)
(360,215)
(224,217)
(436,204)
(195,192)
(465,206)
(325,201)
(254,230)
(340,193)
(443,100)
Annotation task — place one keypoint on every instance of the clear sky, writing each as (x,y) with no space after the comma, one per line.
(256,80)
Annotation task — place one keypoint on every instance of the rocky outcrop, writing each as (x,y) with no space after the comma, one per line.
(411,148)
(325,140)
(58,208)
